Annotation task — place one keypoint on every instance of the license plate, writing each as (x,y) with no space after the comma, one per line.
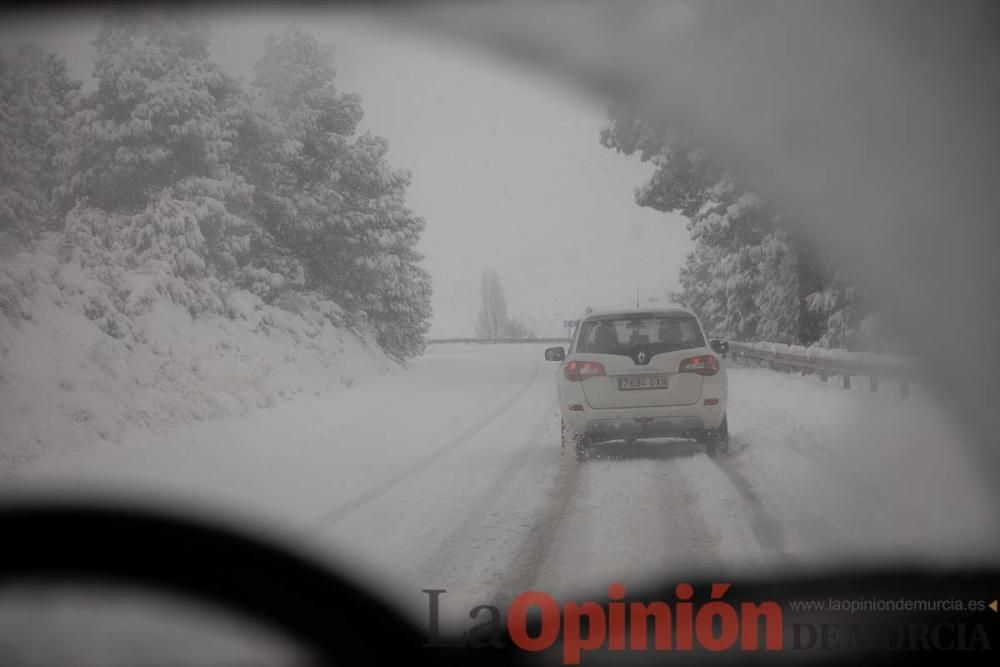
(633,382)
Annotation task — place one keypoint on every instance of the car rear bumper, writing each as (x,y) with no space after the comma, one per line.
(642,427)
(654,422)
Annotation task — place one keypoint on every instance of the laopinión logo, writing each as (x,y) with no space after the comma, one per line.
(535,621)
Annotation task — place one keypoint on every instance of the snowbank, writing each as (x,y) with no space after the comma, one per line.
(858,475)
(75,371)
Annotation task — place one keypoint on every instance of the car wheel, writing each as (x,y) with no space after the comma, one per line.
(582,448)
(716,440)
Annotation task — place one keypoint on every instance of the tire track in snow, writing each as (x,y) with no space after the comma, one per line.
(338,513)
(447,556)
(765,527)
(637,513)
(691,545)
(526,563)
(661,482)
(670,489)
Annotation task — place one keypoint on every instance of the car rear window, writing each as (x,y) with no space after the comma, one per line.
(621,335)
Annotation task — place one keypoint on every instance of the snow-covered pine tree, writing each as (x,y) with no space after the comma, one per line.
(326,199)
(37,96)
(146,176)
(748,277)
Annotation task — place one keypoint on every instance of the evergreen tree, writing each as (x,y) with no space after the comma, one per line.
(331,210)
(175,170)
(748,276)
(37,96)
(148,175)
(492,321)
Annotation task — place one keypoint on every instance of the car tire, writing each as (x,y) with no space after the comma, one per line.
(581,447)
(716,440)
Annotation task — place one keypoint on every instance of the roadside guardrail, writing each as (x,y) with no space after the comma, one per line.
(891,368)
(490,341)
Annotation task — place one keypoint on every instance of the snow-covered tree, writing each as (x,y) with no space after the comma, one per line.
(152,148)
(843,307)
(37,96)
(175,170)
(493,322)
(748,276)
(516,328)
(330,207)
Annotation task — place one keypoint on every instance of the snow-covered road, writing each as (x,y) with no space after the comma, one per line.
(449,475)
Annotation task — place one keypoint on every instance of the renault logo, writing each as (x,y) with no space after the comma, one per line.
(642,357)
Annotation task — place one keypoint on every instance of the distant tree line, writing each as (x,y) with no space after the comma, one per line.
(750,276)
(175,168)
(493,321)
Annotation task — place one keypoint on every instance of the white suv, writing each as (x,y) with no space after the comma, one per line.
(642,373)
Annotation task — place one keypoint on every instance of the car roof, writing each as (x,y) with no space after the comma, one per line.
(659,309)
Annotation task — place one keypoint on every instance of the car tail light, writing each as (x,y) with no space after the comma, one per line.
(705,364)
(581,370)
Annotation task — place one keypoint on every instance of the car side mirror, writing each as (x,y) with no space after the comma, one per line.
(720,346)
(555,354)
